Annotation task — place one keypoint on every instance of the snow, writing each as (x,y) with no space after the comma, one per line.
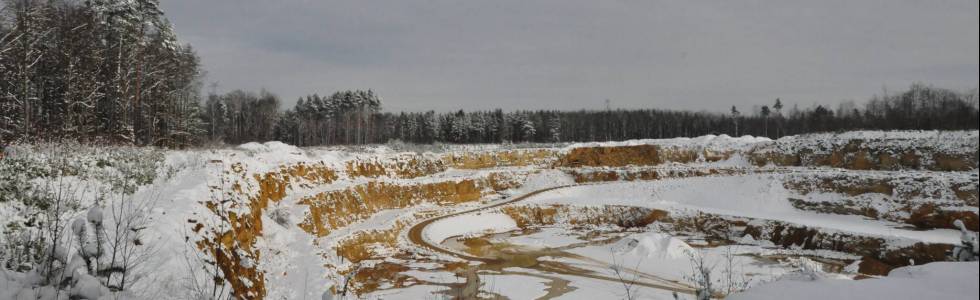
(413,292)
(469,224)
(514,286)
(87,287)
(43,293)
(753,196)
(939,280)
(296,264)
(60,253)
(948,142)
(78,226)
(709,142)
(592,289)
(547,237)
(669,258)
(653,245)
(269,147)
(434,276)
(545,179)
(95,215)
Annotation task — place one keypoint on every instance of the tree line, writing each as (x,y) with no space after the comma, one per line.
(355,117)
(113,71)
(96,70)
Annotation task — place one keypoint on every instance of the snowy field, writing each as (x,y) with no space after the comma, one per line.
(750,218)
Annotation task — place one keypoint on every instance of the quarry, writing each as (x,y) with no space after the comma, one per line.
(653,219)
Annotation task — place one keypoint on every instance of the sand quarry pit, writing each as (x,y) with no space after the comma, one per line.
(607,220)
(612,220)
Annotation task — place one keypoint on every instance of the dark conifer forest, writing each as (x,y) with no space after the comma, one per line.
(115,72)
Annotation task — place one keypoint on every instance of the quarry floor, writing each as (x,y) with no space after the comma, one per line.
(584,262)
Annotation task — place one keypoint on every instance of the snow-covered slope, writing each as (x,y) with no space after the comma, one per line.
(939,280)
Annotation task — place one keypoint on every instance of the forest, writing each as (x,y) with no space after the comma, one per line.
(138,85)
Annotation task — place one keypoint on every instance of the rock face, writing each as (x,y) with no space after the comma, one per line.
(339,208)
(936,151)
(240,209)
(876,251)
(406,166)
(506,158)
(925,200)
(928,216)
(528,216)
(586,175)
(638,155)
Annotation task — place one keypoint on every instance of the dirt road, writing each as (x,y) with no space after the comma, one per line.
(415,234)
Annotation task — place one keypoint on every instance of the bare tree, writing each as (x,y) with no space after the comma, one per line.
(701,275)
(735,279)
(630,290)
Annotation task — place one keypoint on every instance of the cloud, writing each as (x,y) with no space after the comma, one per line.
(448,55)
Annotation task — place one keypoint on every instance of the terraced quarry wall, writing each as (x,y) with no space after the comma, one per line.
(240,202)
(878,255)
(504,158)
(587,175)
(936,151)
(357,189)
(636,155)
(406,166)
(335,209)
(230,241)
(528,216)
(925,200)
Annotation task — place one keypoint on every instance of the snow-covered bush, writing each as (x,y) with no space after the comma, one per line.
(280,214)
(700,276)
(42,184)
(123,168)
(31,216)
(47,238)
(96,258)
(968,247)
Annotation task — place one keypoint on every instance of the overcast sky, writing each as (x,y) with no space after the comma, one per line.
(572,54)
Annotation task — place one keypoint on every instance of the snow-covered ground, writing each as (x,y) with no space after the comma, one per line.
(187,198)
(939,280)
(477,223)
(754,196)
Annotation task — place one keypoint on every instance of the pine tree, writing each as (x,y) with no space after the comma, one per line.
(778,106)
(735,119)
(765,115)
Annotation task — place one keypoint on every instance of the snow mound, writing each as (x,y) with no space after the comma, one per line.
(653,245)
(272,147)
(468,224)
(711,142)
(546,179)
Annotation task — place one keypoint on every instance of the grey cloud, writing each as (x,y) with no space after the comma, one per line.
(448,55)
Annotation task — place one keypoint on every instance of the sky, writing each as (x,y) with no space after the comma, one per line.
(574,54)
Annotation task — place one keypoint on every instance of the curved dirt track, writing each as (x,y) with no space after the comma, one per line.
(415,234)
